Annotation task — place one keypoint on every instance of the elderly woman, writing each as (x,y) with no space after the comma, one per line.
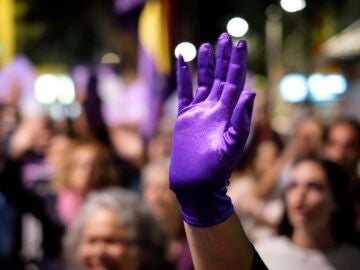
(114,231)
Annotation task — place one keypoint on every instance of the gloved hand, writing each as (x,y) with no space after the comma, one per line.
(210,131)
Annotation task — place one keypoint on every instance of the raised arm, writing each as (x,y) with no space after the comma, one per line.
(209,137)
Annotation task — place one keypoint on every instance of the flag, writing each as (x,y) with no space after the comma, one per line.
(154,65)
(154,56)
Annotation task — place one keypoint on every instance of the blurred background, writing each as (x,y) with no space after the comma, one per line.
(88,100)
(315,43)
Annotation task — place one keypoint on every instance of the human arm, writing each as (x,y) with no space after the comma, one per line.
(306,140)
(221,246)
(209,137)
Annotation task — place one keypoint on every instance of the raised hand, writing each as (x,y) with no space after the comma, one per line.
(210,132)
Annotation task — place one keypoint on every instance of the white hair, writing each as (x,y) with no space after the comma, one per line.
(148,235)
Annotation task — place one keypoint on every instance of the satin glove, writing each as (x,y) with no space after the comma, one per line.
(210,131)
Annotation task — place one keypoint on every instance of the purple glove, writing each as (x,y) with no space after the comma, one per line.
(210,132)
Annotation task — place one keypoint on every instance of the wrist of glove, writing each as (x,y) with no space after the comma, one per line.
(202,204)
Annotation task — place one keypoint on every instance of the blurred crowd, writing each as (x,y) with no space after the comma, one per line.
(92,192)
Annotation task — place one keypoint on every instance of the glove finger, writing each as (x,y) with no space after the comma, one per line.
(205,72)
(201,94)
(241,117)
(235,136)
(223,54)
(184,83)
(205,66)
(236,75)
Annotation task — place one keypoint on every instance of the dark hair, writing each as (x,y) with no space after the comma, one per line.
(343,219)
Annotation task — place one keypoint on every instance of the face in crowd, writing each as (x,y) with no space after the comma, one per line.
(318,202)
(308,197)
(105,244)
(84,169)
(115,230)
(342,144)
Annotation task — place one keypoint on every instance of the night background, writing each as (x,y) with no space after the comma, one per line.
(88,101)
(66,32)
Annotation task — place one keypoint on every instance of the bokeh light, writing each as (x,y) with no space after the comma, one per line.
(66,90)
(324,87)
(293,88)
(336,83)
(110,58)
(50,88)
(45,89)
(237,27)
(187,50)
(293,5)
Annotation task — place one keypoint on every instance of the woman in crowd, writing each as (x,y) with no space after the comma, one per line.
(88,166)
(115,230)
(318,228)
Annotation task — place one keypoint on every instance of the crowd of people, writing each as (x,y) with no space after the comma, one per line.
(76,195)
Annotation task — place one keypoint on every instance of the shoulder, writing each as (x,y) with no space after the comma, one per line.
(273,247)
(280,253)
(241,185)
(350,249)
(271,243)
(345,256)
(275,252)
